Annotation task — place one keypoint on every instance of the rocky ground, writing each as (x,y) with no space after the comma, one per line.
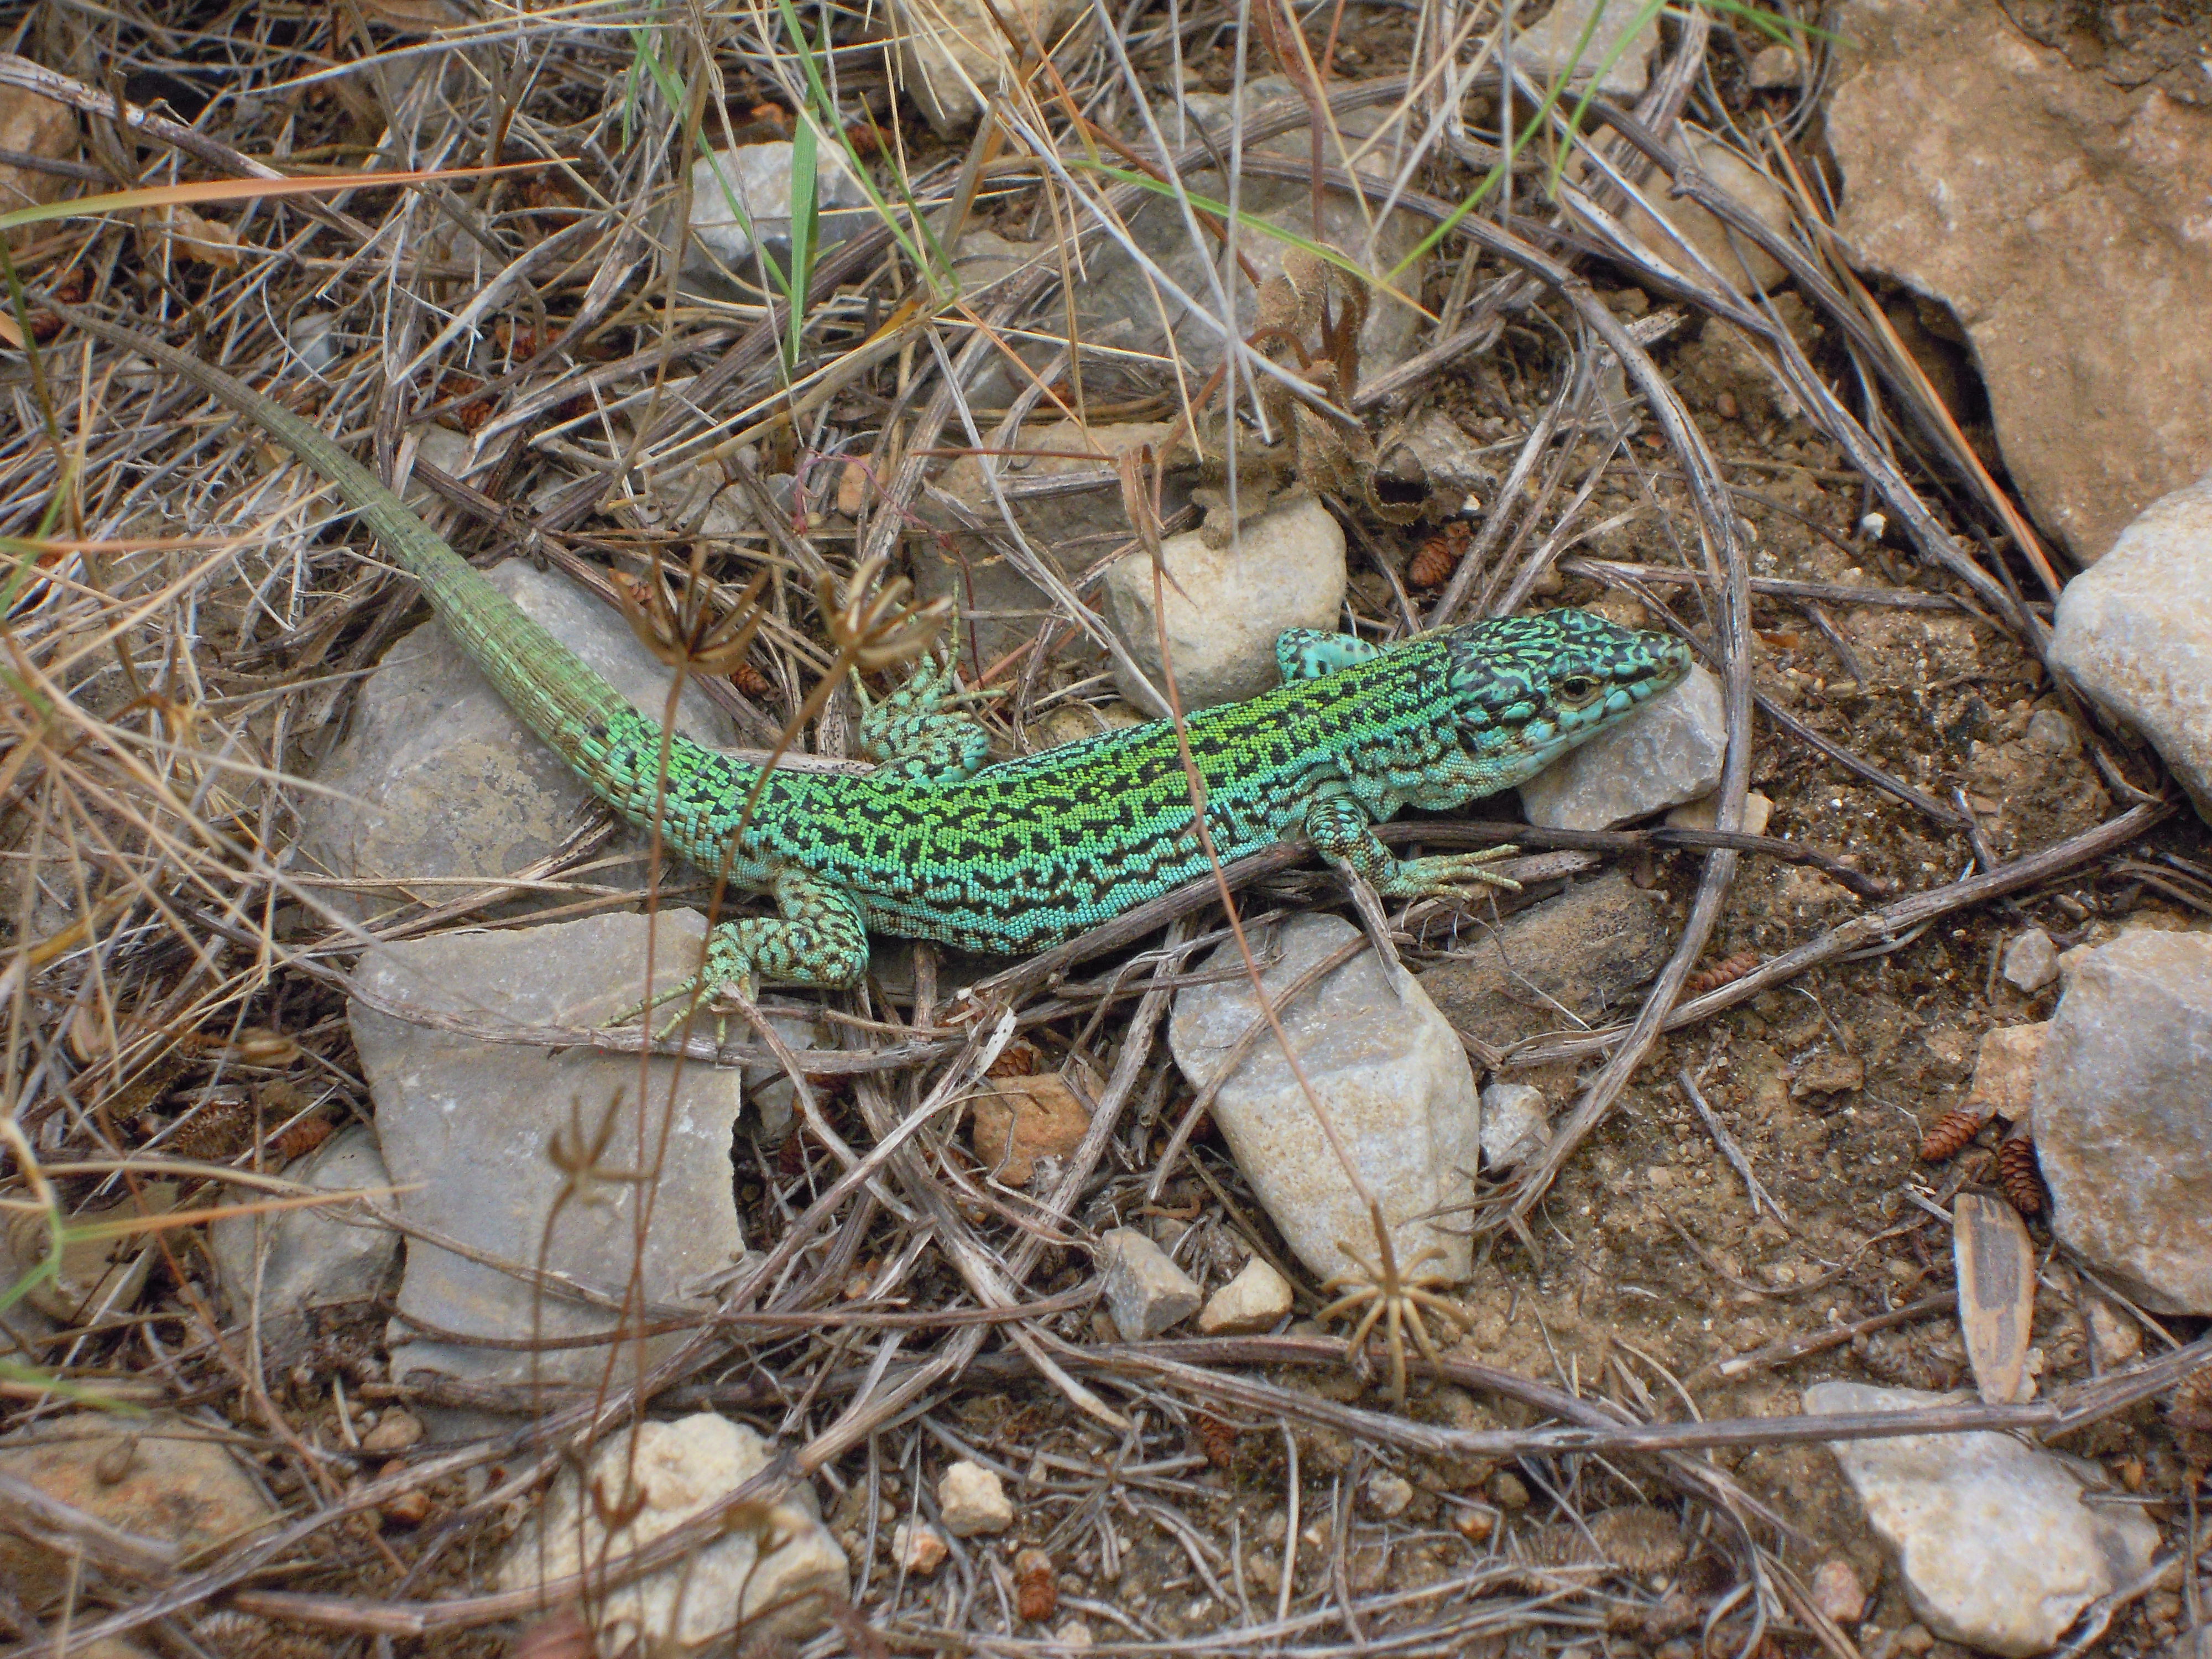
(1854,1305)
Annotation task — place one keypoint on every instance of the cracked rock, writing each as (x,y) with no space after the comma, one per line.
(469,1132)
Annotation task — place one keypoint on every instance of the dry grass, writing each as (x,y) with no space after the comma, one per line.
(187,618)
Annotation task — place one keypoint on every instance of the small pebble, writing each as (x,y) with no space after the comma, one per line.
(920,1548)
(1837,1591)
(2031,962)
(1145,1291)
(1074,1634)
(1515,1124)
(1252,1301)
(2053,733)
(395,1431)
(1507,1491)
(1773,68)
(1475,1525)
(1388,1494)
(410,1507)
(971,1500)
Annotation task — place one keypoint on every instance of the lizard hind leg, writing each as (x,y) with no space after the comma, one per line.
(912,733)
(820,940)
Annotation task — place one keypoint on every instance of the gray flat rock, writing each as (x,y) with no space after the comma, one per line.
(1391,1076)
(296,1261)
(437,777)
(1667,753)
(469,1126)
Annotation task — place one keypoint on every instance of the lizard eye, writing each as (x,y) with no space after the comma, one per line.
(1576,690)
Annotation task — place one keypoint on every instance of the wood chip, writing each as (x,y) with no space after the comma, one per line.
(1996,1295)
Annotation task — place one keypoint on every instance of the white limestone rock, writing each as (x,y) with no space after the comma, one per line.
(751,184)
(1515,1124)
(1617,54)
(971,1501)
(2123,1115)
(951,55)
(2030,962)
(773,1573)
(1389,1073)
(1997,1550)
(1226,605)
(2135,630)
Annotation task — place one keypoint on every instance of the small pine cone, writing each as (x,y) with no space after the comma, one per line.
(220,1130)
(1217,1438)
(300,1139)
(1435,559)
(2020,1176)
(1724,972)
(1036,1591)
(1016,1059)
(1953,1131)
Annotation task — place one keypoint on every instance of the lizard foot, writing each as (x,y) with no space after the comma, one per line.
(1394,1298)
(1449,875)
(725,965)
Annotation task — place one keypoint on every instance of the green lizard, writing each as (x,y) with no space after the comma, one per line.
(1014,857)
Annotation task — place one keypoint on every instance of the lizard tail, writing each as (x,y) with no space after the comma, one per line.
(585,719)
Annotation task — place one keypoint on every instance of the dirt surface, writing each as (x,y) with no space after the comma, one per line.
(1650,1276)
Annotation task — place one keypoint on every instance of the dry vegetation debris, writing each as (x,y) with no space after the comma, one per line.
(1775,476)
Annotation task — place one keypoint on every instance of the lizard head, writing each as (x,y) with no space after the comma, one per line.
(1528,689)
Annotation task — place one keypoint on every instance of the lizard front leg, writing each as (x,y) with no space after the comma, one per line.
(1308,653)
(910,732)
(1337,827)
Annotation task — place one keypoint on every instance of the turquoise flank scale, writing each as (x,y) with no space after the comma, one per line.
(1015,857)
